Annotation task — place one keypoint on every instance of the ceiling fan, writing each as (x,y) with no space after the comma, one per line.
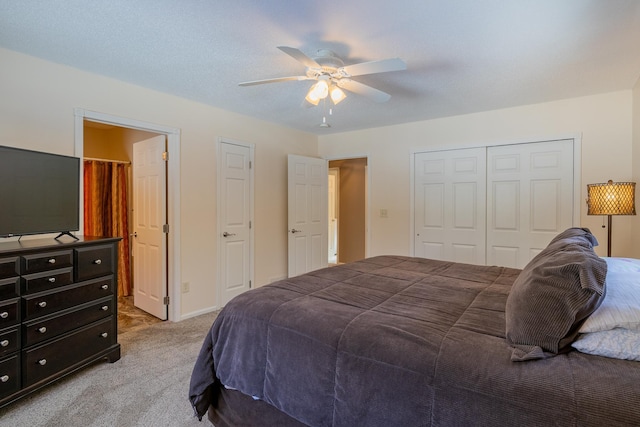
(332,75)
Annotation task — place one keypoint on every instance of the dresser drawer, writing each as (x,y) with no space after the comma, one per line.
(44,303)
(9,312)
(49,359)
(9,288)
(42,329)
(9,375)
(47,280)
(9,341)
(93,262)
(9,267)
(47,261)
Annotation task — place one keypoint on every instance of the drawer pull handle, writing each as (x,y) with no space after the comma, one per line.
(4,343)
(42,362)
(104,335)
(42,330)
(98,261)
(42,304)
(105,307)
(52,279)
(52,261)
(105,287)
(4,315)
(4,378)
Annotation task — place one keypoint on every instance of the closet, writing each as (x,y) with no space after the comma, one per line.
(493,205)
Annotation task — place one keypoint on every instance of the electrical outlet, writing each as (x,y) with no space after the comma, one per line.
(384,213)
(185,287)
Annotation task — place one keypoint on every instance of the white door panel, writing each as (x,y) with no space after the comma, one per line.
(235,213)
(307,214)
(465,253)
(497,205)
(506,206)
(149,213)
(530,199)
(450,204)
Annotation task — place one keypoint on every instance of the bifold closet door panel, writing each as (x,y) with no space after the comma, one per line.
(450,197)
(529,199)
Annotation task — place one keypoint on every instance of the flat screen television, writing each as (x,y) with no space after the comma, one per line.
(39,192)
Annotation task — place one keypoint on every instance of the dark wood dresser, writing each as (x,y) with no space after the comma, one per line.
(58,310)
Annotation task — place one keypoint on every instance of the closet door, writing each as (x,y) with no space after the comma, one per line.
(529,199)
(450,194)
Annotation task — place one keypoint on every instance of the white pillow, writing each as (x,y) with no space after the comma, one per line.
(621,305)
(623,265)
(617,343)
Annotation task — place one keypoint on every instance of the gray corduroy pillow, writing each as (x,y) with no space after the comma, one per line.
(553,295)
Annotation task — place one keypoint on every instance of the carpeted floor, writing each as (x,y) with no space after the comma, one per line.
(148,386)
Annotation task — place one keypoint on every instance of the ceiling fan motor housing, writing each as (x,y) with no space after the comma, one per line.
(328,60)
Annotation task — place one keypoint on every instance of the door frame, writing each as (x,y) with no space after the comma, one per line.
(173,191)
(577,172)
(367,197)
(220,205)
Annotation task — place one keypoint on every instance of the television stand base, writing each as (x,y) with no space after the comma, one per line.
(68,233)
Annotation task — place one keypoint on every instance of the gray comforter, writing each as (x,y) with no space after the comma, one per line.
(399,341)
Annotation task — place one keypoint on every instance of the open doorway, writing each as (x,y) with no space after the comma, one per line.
(348,209)
(133,131)
(334,206)
(109,208)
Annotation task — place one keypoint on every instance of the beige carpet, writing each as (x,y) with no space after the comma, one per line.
(148,386)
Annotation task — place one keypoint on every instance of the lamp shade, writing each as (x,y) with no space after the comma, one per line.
(611,198)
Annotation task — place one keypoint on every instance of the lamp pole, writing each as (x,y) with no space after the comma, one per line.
(609,236)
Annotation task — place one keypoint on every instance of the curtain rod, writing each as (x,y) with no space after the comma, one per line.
(107,160)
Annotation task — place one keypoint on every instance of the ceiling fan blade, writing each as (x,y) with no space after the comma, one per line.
(362,89)
(299,56)
(276,80)
(372,67)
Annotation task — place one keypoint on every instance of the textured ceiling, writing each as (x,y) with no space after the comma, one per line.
(462,56)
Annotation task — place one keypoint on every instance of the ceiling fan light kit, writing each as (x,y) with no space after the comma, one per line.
(333,76)
(322,89)
(337,95)
(318,91)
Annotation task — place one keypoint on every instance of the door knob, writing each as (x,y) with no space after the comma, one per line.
(294,231)
(225,234)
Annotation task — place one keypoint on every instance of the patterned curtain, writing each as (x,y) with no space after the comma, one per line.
(106,211)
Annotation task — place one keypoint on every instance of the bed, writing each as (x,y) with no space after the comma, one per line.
(402,341)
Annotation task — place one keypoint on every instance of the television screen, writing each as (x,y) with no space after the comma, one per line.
(39,192)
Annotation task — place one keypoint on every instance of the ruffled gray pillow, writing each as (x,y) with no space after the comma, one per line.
(553,295)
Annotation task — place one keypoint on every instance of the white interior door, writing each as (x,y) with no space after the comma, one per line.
(450,218)
(307,214)
(150,218)
(529,199)
(235,213)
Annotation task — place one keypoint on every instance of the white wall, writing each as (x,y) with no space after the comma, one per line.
(37,105)
(604,121)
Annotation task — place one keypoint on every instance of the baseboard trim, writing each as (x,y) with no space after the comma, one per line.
(198,312)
